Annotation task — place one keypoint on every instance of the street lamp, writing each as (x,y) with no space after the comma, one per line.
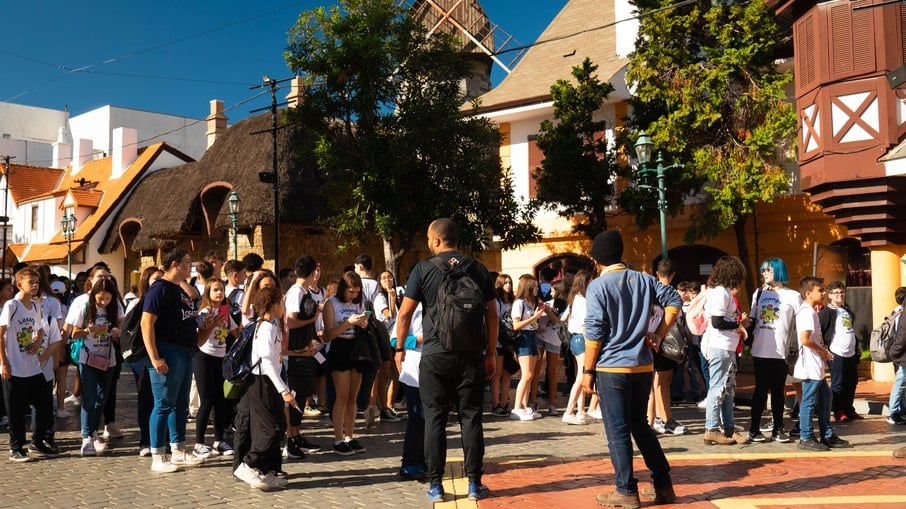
(643,150)
(69,225)
(233,201)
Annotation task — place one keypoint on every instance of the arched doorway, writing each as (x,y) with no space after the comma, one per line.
(563,266)
(693,262)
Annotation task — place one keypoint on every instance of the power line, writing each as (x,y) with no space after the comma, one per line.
(89,68)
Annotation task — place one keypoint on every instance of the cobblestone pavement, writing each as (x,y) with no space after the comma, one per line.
(528,464)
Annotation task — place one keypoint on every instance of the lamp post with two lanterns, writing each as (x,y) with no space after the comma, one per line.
(643,150)
(233,202)
(69,226)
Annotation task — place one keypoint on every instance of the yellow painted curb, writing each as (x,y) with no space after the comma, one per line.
(754,503)
(456,487)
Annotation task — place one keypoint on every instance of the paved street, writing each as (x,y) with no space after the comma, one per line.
(540,463)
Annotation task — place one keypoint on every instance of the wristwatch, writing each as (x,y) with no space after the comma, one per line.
(588,371)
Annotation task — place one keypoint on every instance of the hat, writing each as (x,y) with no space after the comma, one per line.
(607,248)
(58,287)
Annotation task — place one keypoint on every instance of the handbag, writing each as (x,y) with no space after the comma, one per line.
(98,362)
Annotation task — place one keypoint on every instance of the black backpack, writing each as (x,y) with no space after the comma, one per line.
(460,310)
(238,359)
(882,337)
(131,341)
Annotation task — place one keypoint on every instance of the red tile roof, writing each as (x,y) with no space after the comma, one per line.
(28,182)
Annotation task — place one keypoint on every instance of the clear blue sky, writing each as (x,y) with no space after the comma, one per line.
(217,49)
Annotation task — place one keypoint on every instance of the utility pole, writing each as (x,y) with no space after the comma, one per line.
(273,176)
(5,217)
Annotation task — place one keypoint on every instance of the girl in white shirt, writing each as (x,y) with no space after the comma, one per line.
(576,325)
(266,395)
(527,310)
(719,344)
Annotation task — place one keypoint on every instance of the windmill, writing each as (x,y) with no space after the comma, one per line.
(482,40)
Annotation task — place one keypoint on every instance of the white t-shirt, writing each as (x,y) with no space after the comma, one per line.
(267,348)
(77,310)
(576,322)
(522,311)
(775,315)
(719,302)
(810,365)
(409,373)
(844,340)
(215,343)
(21,327)
(370,289)
(319,297)
(96,344)
(341,312)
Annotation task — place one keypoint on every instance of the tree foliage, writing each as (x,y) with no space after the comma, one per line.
(708,91)
(576,176)
(382,111)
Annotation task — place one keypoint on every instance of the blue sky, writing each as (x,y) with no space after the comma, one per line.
(217,49)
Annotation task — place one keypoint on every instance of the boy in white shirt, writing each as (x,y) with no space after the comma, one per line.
(22,354)
(813,355)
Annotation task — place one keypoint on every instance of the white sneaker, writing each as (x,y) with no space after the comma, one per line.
(144,452)
(111,431)
(658,426)
(62,413)
(161,464)
(584,418)
(88,447)
(100,446)
(72,398)
(516,414)
(251,477)
(202,451)
(181,459)
(573,419)
(595,414)
(674,427)
(702,404)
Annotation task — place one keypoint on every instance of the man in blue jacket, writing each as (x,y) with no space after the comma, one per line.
(619,362)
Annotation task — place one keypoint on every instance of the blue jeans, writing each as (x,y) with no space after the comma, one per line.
(577,344)
(722,389)
(624,407)
(171,397)
(703,367)
(816,398)
(895,405)
(414,441)
(95,388)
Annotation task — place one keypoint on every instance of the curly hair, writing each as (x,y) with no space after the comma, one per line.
(266,299)
(728,272)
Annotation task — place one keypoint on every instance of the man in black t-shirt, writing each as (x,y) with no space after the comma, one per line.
(447,377)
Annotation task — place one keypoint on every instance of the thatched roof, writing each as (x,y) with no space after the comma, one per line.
(189,201)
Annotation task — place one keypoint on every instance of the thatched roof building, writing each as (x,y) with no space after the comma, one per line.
(188,202)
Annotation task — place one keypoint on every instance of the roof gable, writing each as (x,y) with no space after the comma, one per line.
(29,182)
(576,32)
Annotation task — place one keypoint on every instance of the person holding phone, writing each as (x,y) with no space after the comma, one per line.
(214,326)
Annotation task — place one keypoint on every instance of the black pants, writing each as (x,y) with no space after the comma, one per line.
(242,440)
(209,380)
(844,373)
(110,405)
(145,399)
(19,393)
(266,425)
(446,379)
(770,375)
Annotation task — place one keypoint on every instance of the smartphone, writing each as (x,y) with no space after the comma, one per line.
(367,313)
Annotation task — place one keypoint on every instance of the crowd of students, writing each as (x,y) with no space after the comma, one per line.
(304,361)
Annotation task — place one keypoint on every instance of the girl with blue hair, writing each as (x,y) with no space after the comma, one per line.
(773,314)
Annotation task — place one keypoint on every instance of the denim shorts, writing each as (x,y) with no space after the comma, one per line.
(525,343)
(547,347)
(577,344)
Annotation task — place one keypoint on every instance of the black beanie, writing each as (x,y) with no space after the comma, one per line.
(607,248)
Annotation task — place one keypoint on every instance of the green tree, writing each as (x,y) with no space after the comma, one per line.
(576,175)
(708,91)
(382,111)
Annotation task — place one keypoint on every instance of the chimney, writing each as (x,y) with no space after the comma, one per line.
(62,151)
(217,122)
(125,150)
(81,153)
(296,89)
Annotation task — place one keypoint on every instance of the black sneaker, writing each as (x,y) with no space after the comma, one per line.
(834,442)
(781,436)
(356,446)
(794,411)
(757,437)
(388,415)
(795,431)
(767,427)
(307,446)
(19,455)
(343,449)
(810,444)
(293,449)
(44,447)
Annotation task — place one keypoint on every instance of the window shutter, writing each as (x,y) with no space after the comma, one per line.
(535,157)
